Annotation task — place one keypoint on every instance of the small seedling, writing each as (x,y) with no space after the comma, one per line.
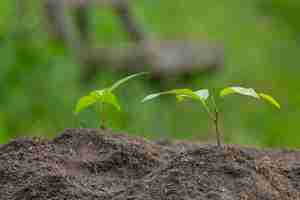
(203,96)
(103,96)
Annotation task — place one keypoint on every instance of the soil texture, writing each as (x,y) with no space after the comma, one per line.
(90,164)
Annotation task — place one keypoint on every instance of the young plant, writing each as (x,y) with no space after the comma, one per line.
(103,96)
(202,96)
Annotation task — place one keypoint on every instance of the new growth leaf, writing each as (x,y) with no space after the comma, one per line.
(203,95)
(103,96)
(183,94)
(249,92)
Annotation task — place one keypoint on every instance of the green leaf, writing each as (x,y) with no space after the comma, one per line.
(180,98)
(239,90)
(183,91)
(123,80)
(199,95)
(106,96)
(111,99)
(98,93)
(84,102)
(103,96)
(179,93)
(249,92)
(182,94)
(204,93)
(152,96)
(269,99)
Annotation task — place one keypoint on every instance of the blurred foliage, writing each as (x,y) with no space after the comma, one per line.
(39,79)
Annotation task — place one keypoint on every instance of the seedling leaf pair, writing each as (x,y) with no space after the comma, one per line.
(249,92)
(183,94)
(106,96)
(103,96)
(203,95)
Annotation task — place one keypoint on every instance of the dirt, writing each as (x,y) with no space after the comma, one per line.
(91,164)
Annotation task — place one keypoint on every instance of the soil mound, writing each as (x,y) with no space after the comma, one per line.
(88,164)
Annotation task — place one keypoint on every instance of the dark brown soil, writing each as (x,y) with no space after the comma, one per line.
(87,164)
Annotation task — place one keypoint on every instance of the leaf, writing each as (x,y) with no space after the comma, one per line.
(181,94)
(269,99)
(204,93)
(183,91)
(249,92)
(123,80)
(98,93)
(180,98)
(106,96)
(239,90)
(84,102)
(151,96)
(103,96)
(111,99)
(199,95)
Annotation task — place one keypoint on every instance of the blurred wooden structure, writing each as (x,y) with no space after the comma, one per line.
(164,58)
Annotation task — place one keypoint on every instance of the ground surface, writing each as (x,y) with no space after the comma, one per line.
(87,164)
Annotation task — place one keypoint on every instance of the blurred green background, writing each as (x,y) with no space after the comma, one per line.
(40,80)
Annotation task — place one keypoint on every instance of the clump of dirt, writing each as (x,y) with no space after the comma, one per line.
(88,164)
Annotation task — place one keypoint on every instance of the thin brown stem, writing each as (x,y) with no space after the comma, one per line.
(102,118)
(216,122)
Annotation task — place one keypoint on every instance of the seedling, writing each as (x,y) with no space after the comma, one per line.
(103,96)
(203,96)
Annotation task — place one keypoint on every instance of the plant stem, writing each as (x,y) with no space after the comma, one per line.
(102,119)
(216,122)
